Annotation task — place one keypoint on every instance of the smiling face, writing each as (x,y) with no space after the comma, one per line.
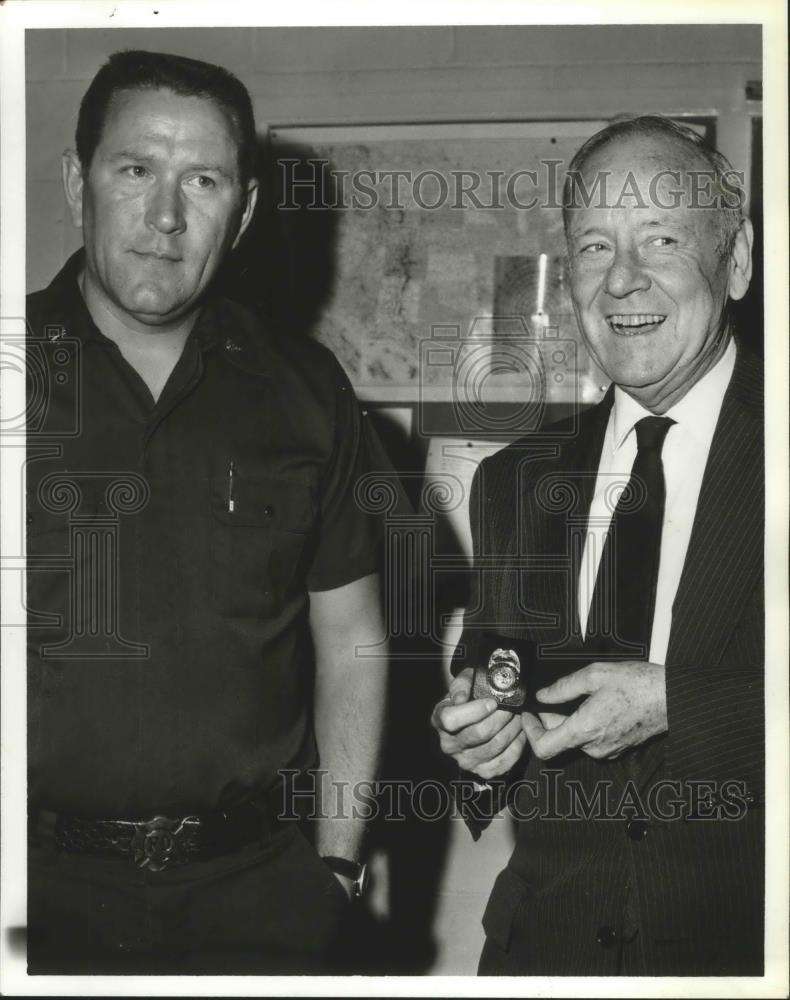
(161,206)
(649,284)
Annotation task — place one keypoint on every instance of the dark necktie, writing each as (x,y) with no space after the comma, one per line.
(621,612)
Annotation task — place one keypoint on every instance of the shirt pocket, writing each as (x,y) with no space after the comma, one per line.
(262,529)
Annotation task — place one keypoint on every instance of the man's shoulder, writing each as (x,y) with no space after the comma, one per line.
(748,382)
(44,308)
(273,348)
(53,305)
(550,446)
(36,301)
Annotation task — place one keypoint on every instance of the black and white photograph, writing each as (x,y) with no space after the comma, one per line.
(394,500)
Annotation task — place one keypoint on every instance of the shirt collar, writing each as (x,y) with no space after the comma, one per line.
(697,412)
(205,332)
(65,285)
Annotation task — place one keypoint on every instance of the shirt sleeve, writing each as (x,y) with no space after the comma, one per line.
(357,480)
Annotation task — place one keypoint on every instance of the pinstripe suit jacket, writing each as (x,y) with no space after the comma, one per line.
(669,896)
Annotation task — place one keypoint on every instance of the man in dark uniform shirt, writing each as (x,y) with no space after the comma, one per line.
(202,585)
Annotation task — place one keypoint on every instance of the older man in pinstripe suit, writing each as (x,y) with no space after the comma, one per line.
(636,779)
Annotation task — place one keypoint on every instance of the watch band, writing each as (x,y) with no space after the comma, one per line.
(348,869)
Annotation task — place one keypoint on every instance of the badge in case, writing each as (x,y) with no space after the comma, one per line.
(501,679)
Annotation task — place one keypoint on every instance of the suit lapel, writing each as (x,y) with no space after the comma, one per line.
(726,546)
(554,498)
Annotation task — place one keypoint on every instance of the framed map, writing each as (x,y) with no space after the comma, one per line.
(449,267)
(448,276)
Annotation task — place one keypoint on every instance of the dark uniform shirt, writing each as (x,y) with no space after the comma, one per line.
(171,549)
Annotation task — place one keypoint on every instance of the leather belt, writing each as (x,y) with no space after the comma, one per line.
(163,841)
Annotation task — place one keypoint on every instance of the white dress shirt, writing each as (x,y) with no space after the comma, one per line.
(684,454)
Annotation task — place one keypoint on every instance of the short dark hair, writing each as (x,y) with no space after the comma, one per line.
(135,69)
(628,126)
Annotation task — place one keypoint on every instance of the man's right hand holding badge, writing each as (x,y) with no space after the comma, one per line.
(479,735)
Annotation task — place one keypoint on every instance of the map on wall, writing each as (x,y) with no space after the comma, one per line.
(448,264)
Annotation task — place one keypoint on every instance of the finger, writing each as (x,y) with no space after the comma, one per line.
(475,755)
(580,682)
(436,720)
(506,760)
(483,732)
(602,747)
(461,687)
(533,728)
(551,720)
(451,718)
(569,735)
(458,694)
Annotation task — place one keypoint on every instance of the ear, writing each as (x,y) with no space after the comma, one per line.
(249,209)
(741,261)
(73,182)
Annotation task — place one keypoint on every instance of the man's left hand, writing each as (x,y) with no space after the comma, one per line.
(626,705)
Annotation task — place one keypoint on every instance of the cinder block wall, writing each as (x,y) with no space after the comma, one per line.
(356,75)
(374,75)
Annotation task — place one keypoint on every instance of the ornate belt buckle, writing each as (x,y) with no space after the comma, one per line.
(155,843)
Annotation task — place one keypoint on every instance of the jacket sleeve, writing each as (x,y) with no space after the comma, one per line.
(479,801)
(467,651)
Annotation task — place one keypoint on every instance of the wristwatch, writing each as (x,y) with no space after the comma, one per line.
(358,873)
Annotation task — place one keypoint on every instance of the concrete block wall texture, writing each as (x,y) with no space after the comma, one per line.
(379,75)
(373,75)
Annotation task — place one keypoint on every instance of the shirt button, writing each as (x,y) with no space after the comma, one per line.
(636,829)
(268,510)
(606,936)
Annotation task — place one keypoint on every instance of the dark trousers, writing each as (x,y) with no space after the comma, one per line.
(269,909)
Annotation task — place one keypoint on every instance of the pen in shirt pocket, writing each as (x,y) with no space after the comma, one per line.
(231,501)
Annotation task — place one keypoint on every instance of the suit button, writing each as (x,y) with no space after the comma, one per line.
(268,510)
(636,829)
(606,936)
